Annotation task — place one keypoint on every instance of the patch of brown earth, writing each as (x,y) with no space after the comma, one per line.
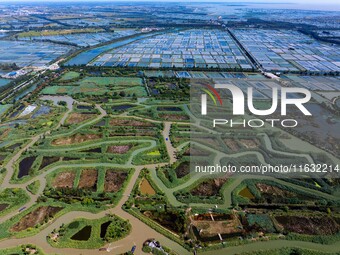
(76,118)
(209,187)
(5,133)
(309,225)
(114,180)
(250,143)
(232,144)
(38,216)
(130,122)
(146,188)
(118,149)
(182,169)
(273,191)
(64,180)
(88,179)
(169,116)
(76,138)
(209,228)
(145,132)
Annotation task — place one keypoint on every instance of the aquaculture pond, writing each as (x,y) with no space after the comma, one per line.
(25,92)
(103,228)
(146,188)
(86,56)
(84,107)
(337,103)
(95,150)
(169,109)
(4,108)
(122,107)
(246,193)
(14,114)
(83,235)
(48,161)
(100,123)
(25,166)
(3,207)
(4,82)
(14,146)
(13,123)
(43,110)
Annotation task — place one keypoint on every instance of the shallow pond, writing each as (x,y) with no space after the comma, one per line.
(122,107)
(25,166)
(3,207)
(103,228)
(4,82)
(83,235)
(146,188)
(42,110)
(169,109)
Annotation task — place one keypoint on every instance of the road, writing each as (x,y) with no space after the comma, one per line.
(140,231)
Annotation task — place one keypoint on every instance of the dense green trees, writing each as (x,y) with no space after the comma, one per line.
(117,229)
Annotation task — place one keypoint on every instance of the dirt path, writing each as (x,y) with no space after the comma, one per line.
(166,135)
(140,231)
(123,245)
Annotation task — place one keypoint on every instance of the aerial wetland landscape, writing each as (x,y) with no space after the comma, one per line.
(99,128)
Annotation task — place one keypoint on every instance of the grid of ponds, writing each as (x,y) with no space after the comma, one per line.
(30,53)
(281,50)
(191,48)
(262,88)
(317,83)
(85,39)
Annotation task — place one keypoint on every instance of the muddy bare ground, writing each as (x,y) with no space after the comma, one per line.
(169,116)
(133,123)
(250,143)
(274,191)
(209,228)
(145,132)
(114,180)
(309,225)
(232,144)
(64,180)
(38,216)
(182,169)
(3,206)
(88,179)
(119,149)
(209,187)
(77,138)
(146,188)
(76,118)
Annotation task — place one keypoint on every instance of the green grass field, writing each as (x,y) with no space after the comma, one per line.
(90,89)
(69,76)
(97,86)
(4,108)
(117,229)
(111,81)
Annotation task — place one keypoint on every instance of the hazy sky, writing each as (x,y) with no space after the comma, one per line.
(337,2)
(298,2)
